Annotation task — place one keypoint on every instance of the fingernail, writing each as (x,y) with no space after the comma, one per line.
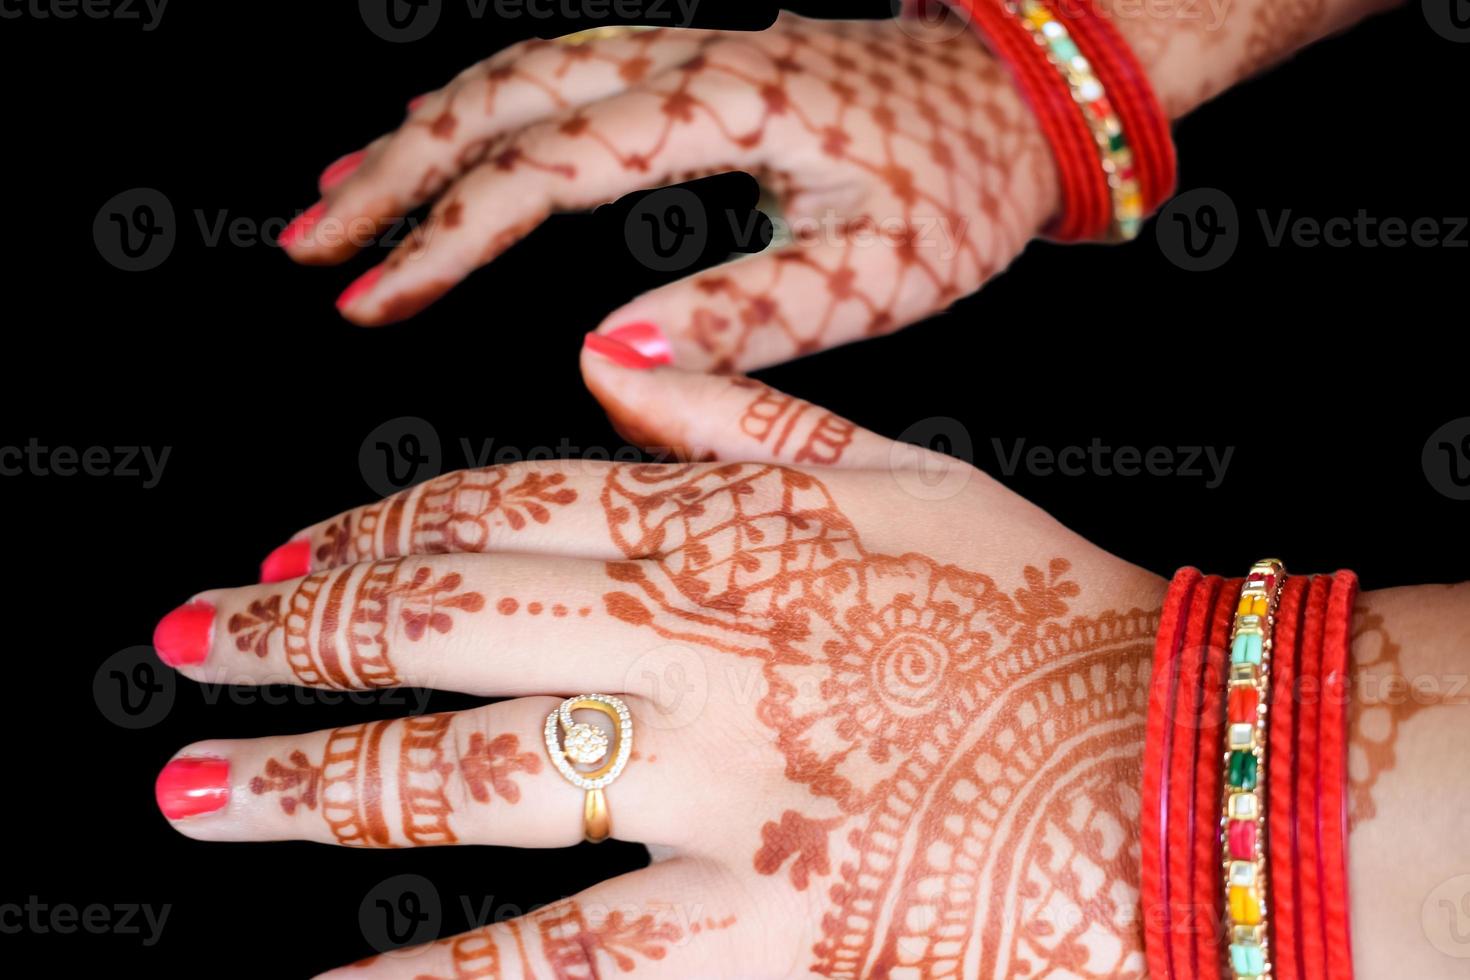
(290,560)
(189,787)
(362,284)
(301,225)
(617,352)
(339,170)
(183,636)
(417,101)
(646,339)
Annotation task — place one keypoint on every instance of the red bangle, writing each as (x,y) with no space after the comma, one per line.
(1144,119)
(1332,776)
(1259,668)
(1281,791)
(1310,939)
(1184,918)
(1204,951)
(1108,134)
(1154,810)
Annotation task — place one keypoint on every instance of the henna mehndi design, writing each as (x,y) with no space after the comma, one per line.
(355,798)
(978,749)
(456,512)
(1383,701)
(336,625)
(569,943)
(773,417)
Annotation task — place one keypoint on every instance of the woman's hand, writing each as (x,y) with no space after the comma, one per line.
(905,163)
(888,717)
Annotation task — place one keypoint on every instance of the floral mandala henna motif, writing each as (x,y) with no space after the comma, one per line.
(978,750)
(456,512)
(337,623)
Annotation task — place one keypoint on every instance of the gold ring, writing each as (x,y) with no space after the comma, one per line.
(571,744)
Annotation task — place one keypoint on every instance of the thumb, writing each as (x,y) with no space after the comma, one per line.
(729,417)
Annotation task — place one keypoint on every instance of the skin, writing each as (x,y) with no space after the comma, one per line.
(930,731)
(908,168)
(940,718)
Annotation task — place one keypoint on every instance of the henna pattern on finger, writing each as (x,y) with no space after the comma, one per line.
(772,417)
(359,793)
(336,625)
(969,750)
(487,766)
(457,512)
(571,943)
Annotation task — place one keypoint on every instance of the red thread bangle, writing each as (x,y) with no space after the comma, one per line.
(1281,795)
(1144,119)
(1332,776)
(1309,886)
(1085,204)
(1153,816)
(1183,777)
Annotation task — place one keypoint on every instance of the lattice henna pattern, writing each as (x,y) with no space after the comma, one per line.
(875,137)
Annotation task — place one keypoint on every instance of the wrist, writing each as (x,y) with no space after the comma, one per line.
(1192,50)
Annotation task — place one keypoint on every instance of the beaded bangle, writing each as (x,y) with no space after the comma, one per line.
(1114,151)
(1108,134)
(1244,822)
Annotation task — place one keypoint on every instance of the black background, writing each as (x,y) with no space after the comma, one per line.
(1326,368)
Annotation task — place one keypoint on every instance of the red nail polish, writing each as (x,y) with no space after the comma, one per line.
(362,284)
(189,787)
(290,560)
(301,225)
(646,339)
(183,636)
(617,352)
(339,170)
